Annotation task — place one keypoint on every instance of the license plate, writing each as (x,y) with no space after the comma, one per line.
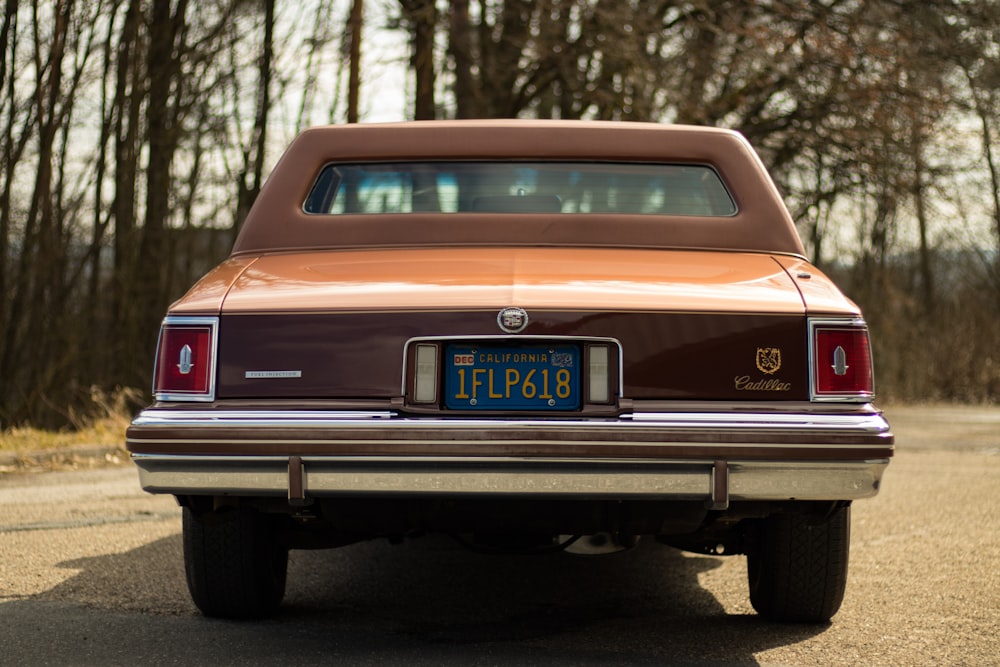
(489,377)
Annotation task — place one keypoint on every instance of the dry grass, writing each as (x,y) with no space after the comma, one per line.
(102,424)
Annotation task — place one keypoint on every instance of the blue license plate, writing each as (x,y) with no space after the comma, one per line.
(491,377)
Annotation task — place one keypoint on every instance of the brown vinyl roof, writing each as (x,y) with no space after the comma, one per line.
(277,221)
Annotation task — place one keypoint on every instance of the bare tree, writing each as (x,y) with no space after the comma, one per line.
(978,60)
(353,34)
(134,136)
(9,155)
(254,153)
(421,16)
(468,98)
(127,104)
(320,36)
(34,292)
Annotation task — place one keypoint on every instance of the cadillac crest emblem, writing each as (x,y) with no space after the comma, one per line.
(512,320)
(768,360)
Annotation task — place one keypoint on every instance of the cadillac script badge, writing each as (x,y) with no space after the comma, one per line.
(768,360)
(513,320)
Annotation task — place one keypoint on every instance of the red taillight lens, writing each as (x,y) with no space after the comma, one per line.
(841,360)
(185,360)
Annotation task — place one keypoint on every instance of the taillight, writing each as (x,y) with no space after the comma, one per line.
(185,359)
(841,360)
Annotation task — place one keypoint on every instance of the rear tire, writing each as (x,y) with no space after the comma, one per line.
(235,562)
(797,568)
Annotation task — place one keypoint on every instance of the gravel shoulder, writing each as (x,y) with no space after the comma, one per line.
(98,560)
(951,427)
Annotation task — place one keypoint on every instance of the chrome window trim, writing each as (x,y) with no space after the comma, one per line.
(188,320)
(332,164)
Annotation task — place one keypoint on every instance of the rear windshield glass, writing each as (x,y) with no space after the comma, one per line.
(519,187)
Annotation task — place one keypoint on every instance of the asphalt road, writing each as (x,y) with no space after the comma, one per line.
(91,573)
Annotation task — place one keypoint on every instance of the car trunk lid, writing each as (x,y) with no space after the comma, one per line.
(692,325)
(591,278)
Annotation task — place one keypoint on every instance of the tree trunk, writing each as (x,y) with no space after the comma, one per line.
(354,26)
(164,60)
(994,170)
(421,15)
(468,97)
(920,203)
(253,157)
(30,324)
(127,103)
(7,161)
(693,99)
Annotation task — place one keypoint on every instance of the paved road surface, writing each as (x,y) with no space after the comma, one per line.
(91,573)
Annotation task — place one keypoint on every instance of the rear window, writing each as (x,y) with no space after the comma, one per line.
(519,187)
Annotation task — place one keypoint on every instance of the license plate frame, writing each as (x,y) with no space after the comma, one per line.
(504,378)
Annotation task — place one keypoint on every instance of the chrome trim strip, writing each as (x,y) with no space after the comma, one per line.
(332,476)
(871,423)
(743,422)
(258,418)
(523,442)
(358,459)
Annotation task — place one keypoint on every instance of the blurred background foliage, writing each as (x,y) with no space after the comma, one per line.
(135,134)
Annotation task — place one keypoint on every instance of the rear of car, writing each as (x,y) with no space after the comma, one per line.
(529,335)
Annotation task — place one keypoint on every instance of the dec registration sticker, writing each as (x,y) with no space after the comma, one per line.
(538,377)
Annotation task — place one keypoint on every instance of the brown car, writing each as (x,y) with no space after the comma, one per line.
(531,335)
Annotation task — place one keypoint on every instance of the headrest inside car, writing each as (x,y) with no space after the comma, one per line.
(517,204)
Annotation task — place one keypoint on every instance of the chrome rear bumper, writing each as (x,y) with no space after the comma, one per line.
(717,482)
(718,457)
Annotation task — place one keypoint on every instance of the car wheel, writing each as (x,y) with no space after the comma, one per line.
(235,562)
(797,567)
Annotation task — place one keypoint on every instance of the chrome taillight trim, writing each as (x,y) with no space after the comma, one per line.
(175,320)
(845,322)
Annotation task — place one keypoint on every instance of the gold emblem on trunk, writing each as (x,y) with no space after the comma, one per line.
(768,359)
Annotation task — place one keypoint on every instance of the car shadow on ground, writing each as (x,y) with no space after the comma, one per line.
(430,600)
